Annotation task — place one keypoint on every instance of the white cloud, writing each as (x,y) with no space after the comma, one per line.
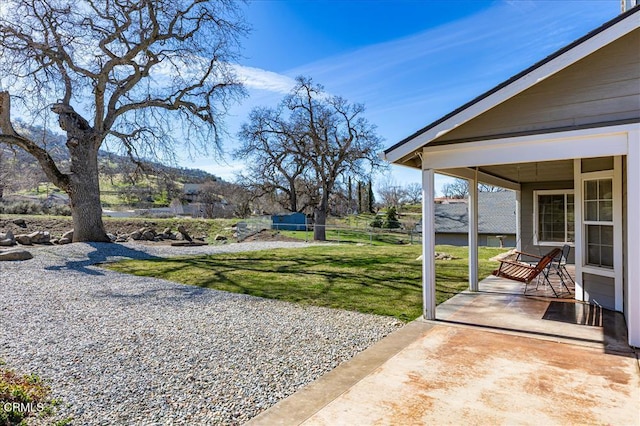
(257,78)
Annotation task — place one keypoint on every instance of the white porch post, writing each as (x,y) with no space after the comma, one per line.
(473,233)
(518,220)
(428,246)
(579,244)
(633,239)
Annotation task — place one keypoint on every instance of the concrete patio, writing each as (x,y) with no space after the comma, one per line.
(495,356)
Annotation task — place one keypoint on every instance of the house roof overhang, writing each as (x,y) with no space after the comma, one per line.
(407,152)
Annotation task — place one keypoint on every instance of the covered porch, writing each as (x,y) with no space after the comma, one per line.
(564,135)
(584,199)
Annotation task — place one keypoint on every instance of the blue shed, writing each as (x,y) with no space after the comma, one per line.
(289,222)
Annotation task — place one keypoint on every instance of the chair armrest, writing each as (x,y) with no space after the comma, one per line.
(521,253)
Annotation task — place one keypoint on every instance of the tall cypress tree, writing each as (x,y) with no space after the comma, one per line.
(371,198)
(349,196)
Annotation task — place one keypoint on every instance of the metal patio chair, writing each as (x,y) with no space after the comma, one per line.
(559,265)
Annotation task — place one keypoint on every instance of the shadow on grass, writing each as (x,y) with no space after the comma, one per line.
(101,253)
(346,283)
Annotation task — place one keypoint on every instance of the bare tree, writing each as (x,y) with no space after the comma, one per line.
(413,193)
(459,188)
(325,134)
(275,169)
(391,194)
(139,74)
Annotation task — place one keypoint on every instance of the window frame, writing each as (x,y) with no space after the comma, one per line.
(536,218)
(597,176)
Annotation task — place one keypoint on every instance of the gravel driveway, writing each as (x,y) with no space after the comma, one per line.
(120,349)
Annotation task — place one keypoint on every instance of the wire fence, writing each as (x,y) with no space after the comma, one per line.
(333,232)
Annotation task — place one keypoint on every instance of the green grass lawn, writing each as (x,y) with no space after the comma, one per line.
(384,280)
(365,236)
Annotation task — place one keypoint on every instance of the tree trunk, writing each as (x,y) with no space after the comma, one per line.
(320,218)
(84,195)
(293,199)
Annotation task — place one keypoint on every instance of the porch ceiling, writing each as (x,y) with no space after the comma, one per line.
(532,172)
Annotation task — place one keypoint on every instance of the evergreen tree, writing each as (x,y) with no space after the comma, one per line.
(350,196)
(391,219)
(377,222)
(371,198)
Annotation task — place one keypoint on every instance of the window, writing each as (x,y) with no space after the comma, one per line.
(554,220)
(598,220)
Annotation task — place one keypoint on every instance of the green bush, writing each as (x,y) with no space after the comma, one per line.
(23,397)
(391,220)
(34,208)
(377,222)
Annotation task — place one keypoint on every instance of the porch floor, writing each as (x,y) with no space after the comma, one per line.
(501,304)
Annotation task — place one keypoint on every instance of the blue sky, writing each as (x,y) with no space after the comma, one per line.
(408,61)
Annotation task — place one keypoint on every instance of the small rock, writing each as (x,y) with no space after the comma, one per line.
(20,222)
(149,235)
(62,241)
(15,254)
(24,239)
(136,235)
(183,231)
(220,238)
(7,236)
(68,234)
(112,237)
(40,237)
(6,242)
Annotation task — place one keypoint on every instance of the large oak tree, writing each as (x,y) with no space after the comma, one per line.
(143,75)
(310,140)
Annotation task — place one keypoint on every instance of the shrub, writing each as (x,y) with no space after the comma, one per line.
(34,208)
(377,222)
(391,220)
(23,397)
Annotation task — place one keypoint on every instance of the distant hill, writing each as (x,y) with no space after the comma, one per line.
(55,145)
(20,172)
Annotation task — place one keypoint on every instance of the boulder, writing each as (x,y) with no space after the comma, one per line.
(40,237)
(15,254)
(68,234)
(24,239)
(7,236)
(136,235)
(63,241)
(112,237)
(6,242)
(20,222)
(183,231)
(149,235)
